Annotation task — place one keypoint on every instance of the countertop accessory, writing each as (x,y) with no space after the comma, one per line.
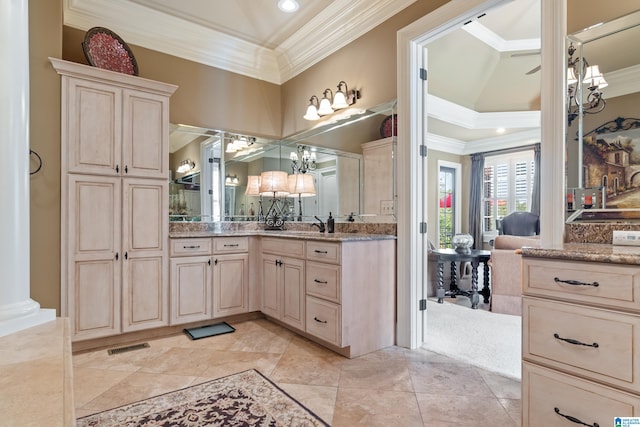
(462,242)
(105,49)
(389,126)
(330,224)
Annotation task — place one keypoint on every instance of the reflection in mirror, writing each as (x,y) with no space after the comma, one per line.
(219,186)
(593,161)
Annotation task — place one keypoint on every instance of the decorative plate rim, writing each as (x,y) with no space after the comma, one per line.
(86,48)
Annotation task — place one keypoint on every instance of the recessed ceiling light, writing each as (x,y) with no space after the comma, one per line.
(288,6)
(501,130)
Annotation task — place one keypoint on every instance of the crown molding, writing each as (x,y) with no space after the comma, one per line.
(493,40)
(622,82)
(151,29)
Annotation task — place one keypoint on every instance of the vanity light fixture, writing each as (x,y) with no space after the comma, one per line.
(330,102)
(231,180)
(186,166)
(592,79)
(239,143)
(344,99)
(325,103)
(312,109)
(304,160)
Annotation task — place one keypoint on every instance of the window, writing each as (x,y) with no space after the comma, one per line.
(446,208)
(507,186)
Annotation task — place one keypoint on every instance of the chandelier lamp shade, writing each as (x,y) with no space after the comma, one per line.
(330,103)
(581,76)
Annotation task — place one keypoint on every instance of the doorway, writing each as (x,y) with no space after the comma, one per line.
(414,108)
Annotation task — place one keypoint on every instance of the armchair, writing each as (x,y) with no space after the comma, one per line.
(517,229)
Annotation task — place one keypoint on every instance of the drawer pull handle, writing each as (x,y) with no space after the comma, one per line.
(576,283)
(319,321)
(231,246)
(320,252)
(575,342)
(574,419)
(324,282)
(191,247)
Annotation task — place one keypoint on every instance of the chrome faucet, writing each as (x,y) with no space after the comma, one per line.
(320,226)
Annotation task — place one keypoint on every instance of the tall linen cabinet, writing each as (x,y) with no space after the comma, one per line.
(114,201)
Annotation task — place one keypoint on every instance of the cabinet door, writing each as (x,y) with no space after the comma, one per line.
(190,289)
(145,137)
(145,286)
(93,256)
(230,284)
(270,288)
(93,128)
(293,295)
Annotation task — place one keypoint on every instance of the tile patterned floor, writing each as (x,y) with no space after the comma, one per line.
(391,387)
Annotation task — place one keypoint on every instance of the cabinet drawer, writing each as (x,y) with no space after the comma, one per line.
(544,390)
(188,247)
(287,247)
(323,281)
(603,284)
(222,245)
(323,251)
(324,320)
(591,342)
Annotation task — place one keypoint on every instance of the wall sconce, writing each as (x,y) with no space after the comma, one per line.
(274,183)
(239,143)
(186,166)
(301,185)
(304,162)
(312,109)
(330,103)
(231,180)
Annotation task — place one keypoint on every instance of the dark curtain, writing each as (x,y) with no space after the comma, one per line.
(535,193)
(475,199)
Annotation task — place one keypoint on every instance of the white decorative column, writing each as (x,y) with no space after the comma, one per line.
(17,310)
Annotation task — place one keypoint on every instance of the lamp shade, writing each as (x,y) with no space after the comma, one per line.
(274,183)
(301,185)
(253,185)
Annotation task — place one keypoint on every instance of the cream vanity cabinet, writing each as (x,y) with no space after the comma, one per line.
(283,290)
(191,280)
(350,294)
(230,276)
(114,201)
(209,278)
(581,341)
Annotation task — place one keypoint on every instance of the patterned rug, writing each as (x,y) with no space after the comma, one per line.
(244,399)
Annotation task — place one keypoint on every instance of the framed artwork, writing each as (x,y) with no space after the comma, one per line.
(611,160)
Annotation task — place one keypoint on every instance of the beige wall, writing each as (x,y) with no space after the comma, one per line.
(45,39)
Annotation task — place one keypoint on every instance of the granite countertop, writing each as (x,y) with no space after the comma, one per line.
(590,252)
(306,235)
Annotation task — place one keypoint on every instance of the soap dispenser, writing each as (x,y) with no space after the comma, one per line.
(330,224)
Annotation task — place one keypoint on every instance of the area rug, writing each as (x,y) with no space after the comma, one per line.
(244,399)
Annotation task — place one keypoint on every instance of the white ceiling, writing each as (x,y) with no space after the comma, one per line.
(477,74)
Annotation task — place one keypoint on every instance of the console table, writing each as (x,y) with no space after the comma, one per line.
(475,257)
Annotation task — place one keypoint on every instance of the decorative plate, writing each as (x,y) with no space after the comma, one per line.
(105,49)
(389,126)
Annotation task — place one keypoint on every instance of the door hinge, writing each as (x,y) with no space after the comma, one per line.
(423,150)
(210,159)
(423,305)
(423,74)
(210,191)
(423,227)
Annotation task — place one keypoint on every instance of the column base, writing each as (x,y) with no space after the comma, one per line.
(10,326)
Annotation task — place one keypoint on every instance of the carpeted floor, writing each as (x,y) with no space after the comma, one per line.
(247,398)
(479,337)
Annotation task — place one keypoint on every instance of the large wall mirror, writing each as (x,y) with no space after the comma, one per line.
(211,170)
(603,142)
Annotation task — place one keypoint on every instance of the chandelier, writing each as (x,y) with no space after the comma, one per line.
(304,160)
(580,75)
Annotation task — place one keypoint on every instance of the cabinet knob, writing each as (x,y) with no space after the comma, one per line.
(117,169)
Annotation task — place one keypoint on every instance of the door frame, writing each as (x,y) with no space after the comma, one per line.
(411,326)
